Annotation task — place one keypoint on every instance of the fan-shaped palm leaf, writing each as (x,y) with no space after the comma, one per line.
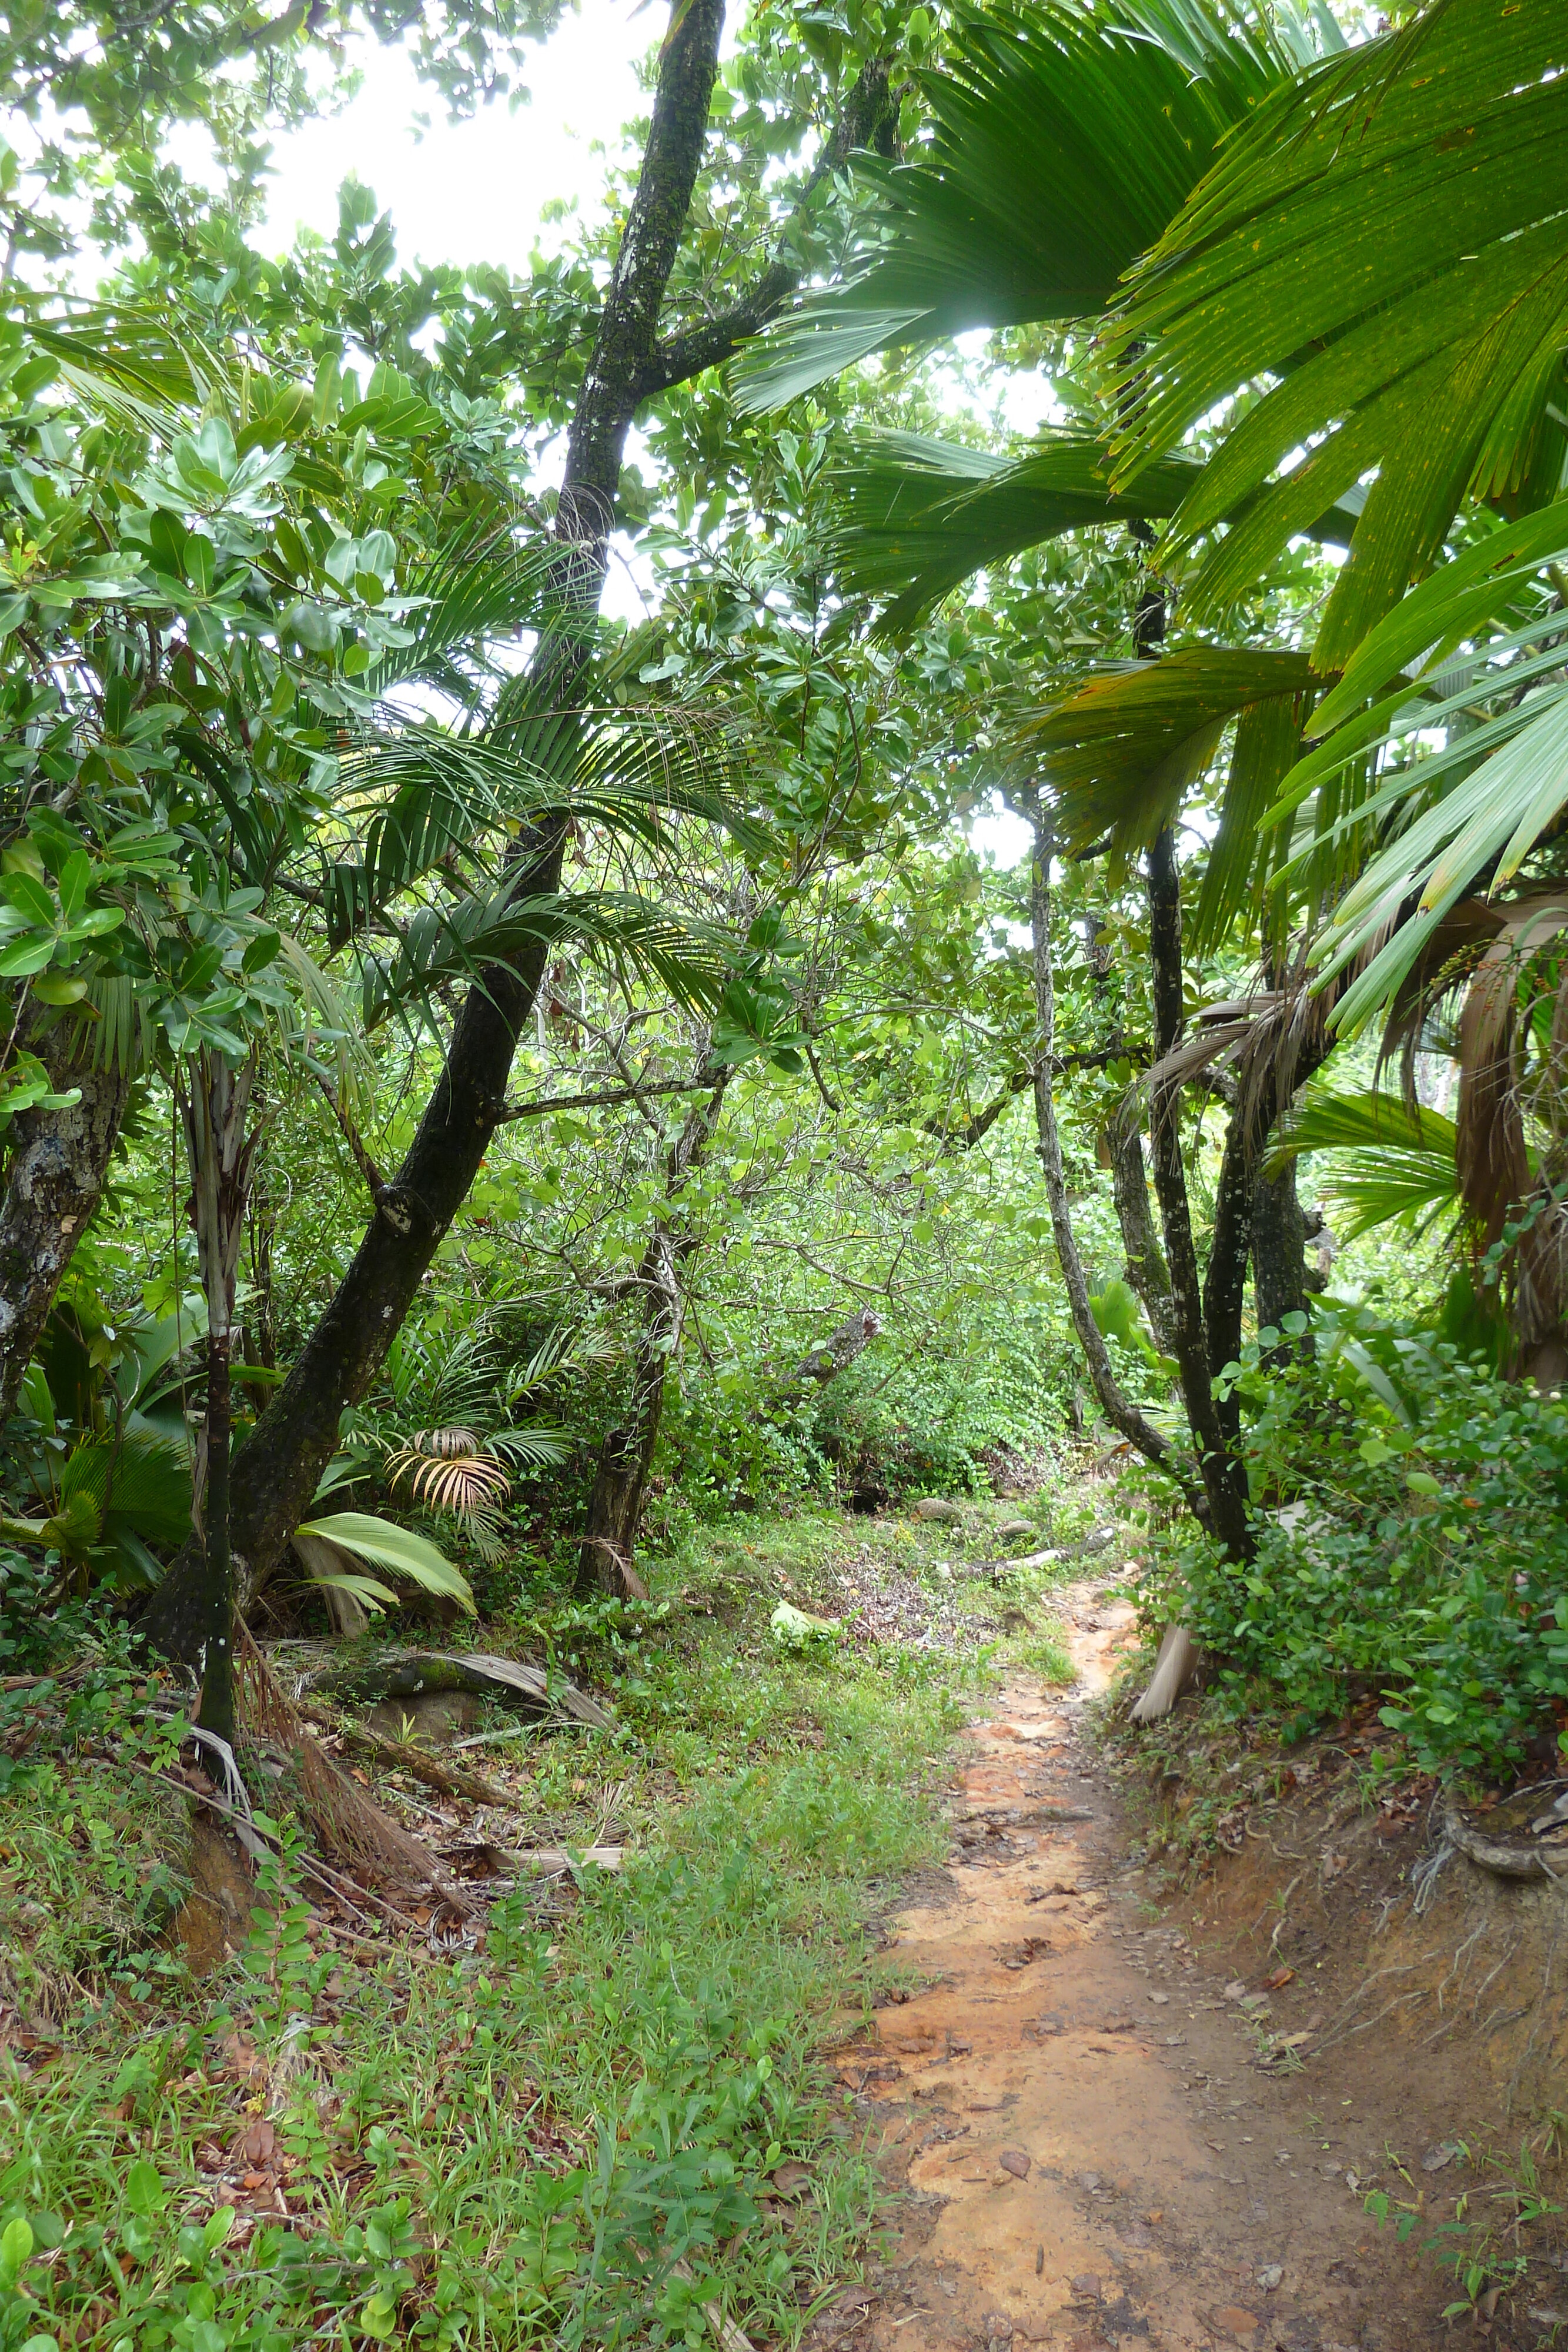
(426,796)
(362,1538)
(1389,1158)
(456,940)
(1121,752)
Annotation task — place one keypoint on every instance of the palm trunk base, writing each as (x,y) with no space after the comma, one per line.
(609,1542)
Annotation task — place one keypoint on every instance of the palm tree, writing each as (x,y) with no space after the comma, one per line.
(1379,262)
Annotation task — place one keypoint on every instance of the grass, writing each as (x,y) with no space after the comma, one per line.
(517,2146)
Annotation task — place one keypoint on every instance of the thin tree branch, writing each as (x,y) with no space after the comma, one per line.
(375,1183)
(606,1098)
(867,119)
(834,1105)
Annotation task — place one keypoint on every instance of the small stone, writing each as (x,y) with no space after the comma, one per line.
(1235,1990)
(939,1512)
(1160,2000)
(1014,2160)
(1087,2180)
(998,2324)
(1011,1529)
(1270,2279)
(1437,2158)
(1235,2321)
(1087,2284)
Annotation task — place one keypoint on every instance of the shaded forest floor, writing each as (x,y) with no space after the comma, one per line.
(902,2022)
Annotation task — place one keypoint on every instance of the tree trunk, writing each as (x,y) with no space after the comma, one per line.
(53,1185)
(1225,1284)
(839,1350)
(1278,1255)
(1117,1407)
(1146,1270)
(616,1506)
(217,1711)
(277,1472)
(1224,1479)
(221,1145)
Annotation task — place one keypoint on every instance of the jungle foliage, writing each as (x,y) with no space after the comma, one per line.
(1037,945)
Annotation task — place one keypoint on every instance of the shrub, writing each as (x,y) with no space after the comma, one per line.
(1412,1542)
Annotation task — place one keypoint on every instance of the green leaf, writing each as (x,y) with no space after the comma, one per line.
(1461,595)
(57,988)
(1384,1160)
(75,876)
(1062,145)
(146,2192)
(1121,752)
(32,899)
(1382,248)
(25,956)
(382,1544)
(16,2249)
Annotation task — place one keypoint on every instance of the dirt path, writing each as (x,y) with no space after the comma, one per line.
(1092,2155)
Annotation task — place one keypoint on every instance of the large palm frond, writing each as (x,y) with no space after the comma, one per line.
(1382,251)
(1064,141)
(426,796)
(920,515)
(455,940)
(1387,1157)
(1119,755)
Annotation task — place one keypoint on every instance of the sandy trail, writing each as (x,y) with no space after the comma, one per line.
(1093,2156)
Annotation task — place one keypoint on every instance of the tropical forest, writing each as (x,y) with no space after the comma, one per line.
(783,1175)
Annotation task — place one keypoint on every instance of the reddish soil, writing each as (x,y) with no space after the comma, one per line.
(1095,2145)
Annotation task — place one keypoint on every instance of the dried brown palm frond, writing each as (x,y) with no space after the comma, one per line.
(1502,961)
(350,1828)
(1514,1002)
(1273,1039)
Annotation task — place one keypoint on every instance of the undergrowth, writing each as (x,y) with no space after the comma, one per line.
(517,2145)
(1409,1507)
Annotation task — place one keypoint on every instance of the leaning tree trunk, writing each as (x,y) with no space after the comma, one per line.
(277,1472)
(54,1183)
(606,1563)
(844,1343)
(216,1114)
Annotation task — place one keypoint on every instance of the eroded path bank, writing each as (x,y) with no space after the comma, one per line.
(1091,2153)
